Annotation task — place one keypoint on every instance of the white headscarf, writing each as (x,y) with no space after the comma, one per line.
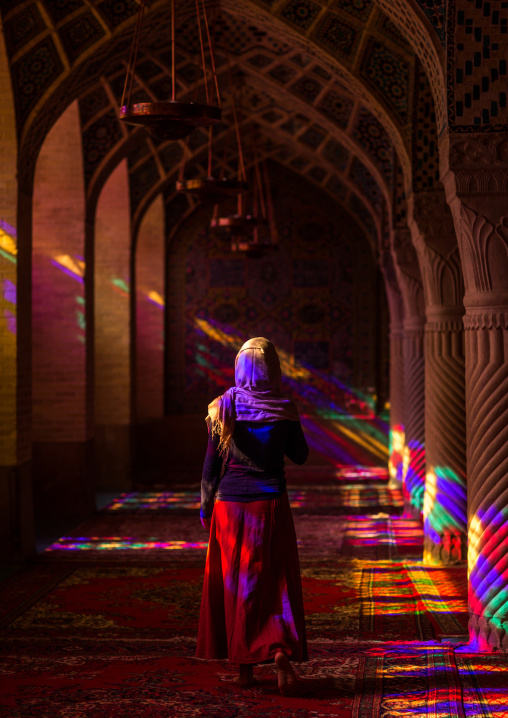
(257,395)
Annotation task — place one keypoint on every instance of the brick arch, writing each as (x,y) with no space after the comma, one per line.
(112,331)
(9,322)
(61,392)
(149,256)
(69,74)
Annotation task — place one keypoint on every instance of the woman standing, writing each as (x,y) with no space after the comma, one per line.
(252,605)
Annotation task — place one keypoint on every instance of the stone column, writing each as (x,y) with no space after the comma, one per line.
(475,174)
(409,279)
(396,309)
(16,504)
(444,509)
(113,369)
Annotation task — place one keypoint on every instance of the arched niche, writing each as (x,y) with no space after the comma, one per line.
(62,448)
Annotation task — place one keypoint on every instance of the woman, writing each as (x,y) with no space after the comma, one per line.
(252,605)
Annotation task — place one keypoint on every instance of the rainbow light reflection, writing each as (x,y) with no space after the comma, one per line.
(339,436)
(121,543)
(191,500)
(373,531)
(8,241)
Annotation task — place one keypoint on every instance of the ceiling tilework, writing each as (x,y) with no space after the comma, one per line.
(399,204)
(425,138)
(435,10)
(24,26)
(357,8)
(295,124)
(337,107)
(317,173)
(391,74)
(79,34)
(260,61)
(339,36)
(299,163)
(32,74)
(313,137)
(162,88)
(142,179)
(367,184)
(238,36)
(92,104)
(282,73)
(307,87)
(337,188)
(176,206)
(371,134)
(98,139)
(301,13)
(261,55)
(301,60)
(360,211)
(140,152)
(148,69)
(390,30)
(59,9)
(337,154)
(321,72)
(118,11)
(8,5)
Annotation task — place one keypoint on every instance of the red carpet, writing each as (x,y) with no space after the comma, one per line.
(105,624)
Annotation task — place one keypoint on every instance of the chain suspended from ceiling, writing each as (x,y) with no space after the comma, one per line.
(212,189)
(252,229)
(172,119)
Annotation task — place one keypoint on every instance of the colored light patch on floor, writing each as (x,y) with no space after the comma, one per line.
(348,496)
(485,685)
(155,501)
(384,530)
(363,474)
(120,543)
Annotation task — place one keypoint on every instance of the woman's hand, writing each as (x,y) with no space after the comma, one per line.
(206,523)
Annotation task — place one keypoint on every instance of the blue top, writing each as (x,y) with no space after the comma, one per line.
(254,468)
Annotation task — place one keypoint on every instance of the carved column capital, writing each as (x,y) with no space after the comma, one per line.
(487,318)
(408,273)
(434,222)
(433,234)
(484,250)
(474,163)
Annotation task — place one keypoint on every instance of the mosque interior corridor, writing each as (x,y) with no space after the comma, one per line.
(104,621)
(176,178)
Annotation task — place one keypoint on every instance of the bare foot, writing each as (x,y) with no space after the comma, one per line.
(246,677)
(286,676)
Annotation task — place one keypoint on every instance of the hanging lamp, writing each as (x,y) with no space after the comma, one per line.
(170,119)
(211,189)
(244,229)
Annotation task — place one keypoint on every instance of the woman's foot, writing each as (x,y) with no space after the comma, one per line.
(246,676)
(285,674)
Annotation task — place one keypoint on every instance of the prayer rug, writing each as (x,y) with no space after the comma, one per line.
(337,498)
(104,625)
(485,684)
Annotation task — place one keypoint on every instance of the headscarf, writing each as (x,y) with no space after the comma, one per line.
(257,394)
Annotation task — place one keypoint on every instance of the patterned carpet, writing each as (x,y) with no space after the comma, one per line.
(104,623)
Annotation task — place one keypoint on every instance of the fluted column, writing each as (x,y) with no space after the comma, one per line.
(409,279)
(444,508)
(476,182)
(414,395)
(397,433)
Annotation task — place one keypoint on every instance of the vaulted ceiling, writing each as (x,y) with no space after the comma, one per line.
(333,90)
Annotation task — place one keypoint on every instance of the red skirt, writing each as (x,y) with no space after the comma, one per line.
(252,603)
